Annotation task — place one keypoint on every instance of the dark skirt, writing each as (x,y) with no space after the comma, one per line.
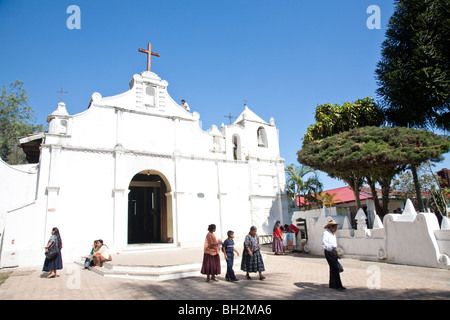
(277,245)
(252,263)
(211,264)
(55,264)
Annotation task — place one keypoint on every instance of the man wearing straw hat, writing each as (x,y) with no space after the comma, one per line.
(329,244)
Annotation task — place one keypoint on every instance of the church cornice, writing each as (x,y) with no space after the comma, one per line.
(175,156)
(195,117)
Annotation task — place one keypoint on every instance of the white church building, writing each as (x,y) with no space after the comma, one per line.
(136,169)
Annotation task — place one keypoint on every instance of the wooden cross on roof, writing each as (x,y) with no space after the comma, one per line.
(149,54)
(229,116)
(61,92)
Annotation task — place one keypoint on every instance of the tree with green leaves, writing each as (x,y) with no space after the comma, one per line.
(376,153)
(430,183)
(414,71)
(413,74)
(17,120)
(328,199)
(404,183)
(334,118)
(302,185)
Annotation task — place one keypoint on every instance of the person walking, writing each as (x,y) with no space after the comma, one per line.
(228,251)
(277,242)
(329,245)
(55,263)
(211,258)
(251,257)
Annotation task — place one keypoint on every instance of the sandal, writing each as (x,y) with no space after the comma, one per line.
(261,277)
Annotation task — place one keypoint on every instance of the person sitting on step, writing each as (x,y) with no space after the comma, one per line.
(102,254)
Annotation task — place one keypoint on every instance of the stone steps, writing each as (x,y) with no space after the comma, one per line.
(148,272)
(136,264)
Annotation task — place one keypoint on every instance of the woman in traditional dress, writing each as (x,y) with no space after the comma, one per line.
(251,257)
(101,254)
(56,262)
(277,243)
(211,258)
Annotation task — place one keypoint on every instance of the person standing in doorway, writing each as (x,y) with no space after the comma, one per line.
(329,245)
(56,262)
(228,251)
(211,258)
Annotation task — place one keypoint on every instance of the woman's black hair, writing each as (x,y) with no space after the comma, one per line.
(101,241)
(211,227)
(58,237)
(253,228)
(276,225)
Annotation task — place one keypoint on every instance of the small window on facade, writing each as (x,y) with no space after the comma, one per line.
(262,138)
(236,148)
(149,97)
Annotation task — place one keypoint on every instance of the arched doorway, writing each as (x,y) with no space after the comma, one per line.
(148,209)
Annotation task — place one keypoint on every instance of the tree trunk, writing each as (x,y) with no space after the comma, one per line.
(376,201)
(385,199)
(356,192)
(355,185)
(417,187)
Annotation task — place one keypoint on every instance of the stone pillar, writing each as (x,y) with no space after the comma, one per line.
(120,213)
(52,189)
(361,224)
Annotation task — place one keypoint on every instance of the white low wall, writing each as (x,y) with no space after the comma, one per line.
(409,238)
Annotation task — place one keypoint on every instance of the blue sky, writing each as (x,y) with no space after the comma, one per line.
(284,57)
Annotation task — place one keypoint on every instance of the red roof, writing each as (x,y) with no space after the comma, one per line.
(344,195)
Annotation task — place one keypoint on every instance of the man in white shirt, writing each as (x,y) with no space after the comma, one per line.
(329,245)
(185,105)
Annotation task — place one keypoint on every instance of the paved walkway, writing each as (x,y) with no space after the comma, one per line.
(295,276)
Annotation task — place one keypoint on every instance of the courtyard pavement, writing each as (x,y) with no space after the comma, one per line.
(294,276)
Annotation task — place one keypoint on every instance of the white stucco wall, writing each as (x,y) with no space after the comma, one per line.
(409,238)
(88,161)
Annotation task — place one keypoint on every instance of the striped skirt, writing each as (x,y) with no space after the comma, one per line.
(277,245)
(252,263)
(211,264)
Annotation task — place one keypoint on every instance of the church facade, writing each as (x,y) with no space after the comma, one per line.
(136,169)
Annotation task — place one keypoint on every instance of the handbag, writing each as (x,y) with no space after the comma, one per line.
(340,267)
(52,252)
